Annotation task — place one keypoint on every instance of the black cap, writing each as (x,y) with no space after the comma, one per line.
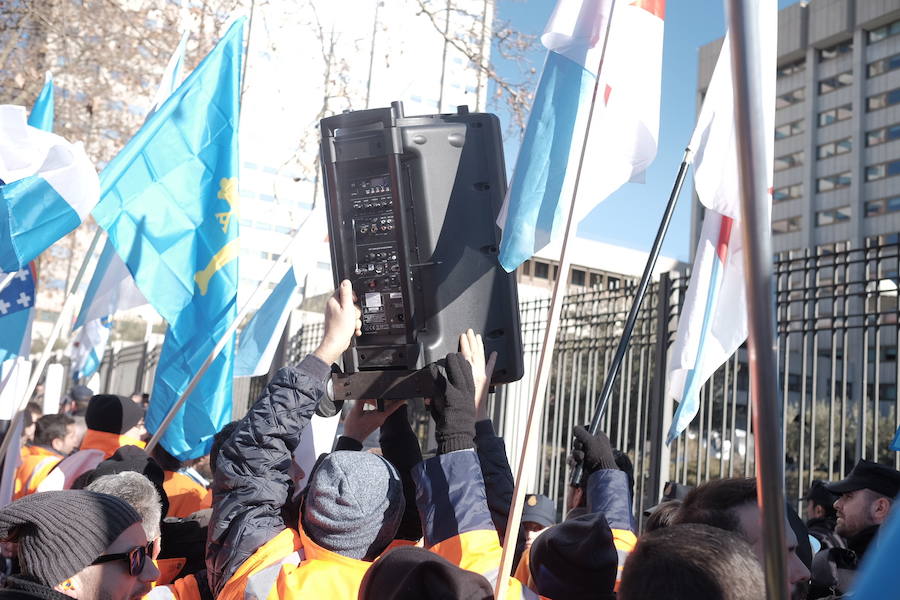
(539,509)
(407,573)
(672,491)
(818,493)
(112,414)
(870,476)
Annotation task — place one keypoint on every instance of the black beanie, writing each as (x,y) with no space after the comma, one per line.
(576,559)
(411,573)
(129,458)
(61,533)
(112,414)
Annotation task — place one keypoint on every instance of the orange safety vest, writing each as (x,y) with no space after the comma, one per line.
(96,447)
(186,496)
(185,588)
(36,463)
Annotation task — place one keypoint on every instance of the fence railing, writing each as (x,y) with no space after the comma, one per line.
(838,343)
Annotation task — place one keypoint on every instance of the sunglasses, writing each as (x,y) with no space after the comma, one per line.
(136,558)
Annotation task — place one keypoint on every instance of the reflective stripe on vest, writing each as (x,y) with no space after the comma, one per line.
(161,592)
(38,470)
(261,583)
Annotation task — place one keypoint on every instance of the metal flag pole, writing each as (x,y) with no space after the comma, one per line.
(195,381)
(535,409)
(63,318)
(751,141)
(6,280)
(613,370)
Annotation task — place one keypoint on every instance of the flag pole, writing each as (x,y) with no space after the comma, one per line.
(6,280)
(756,228)
(68,305)
(613,370)
(535,409)
(223,341)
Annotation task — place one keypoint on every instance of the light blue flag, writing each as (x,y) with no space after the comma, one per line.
(878,574)
(260,337)
(42,112)
(168,204)
(895,445)
(16,313)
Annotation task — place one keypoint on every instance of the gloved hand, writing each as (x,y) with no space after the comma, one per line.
(453,406)
(593,452)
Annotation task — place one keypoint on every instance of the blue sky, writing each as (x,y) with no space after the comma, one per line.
(630,217)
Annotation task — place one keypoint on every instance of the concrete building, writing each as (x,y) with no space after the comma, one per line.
(837,125)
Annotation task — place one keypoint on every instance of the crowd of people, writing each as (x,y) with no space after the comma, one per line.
(97,517)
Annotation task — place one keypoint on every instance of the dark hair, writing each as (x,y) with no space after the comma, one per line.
(51,427)
(35,407)
(714,503)
(692,561)
(220,438)
(164,459)
(663,516)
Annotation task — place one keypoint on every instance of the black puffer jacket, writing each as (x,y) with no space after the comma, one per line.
(252,486)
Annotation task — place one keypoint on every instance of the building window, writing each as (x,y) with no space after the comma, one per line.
(788,192)
(789,225)
(837,82)
(612,283)
(526,267)
(833,115)
(541,270)
(883,135)
(596,280)
(792,68)
(832,216)
(888,169)
(555,272)
(789,161)
(839,49)
(790,98)
(833,182)
(882,206)
(880,67)
(879,101)
(578,277)
(834,148)
(789,129)
(884,32)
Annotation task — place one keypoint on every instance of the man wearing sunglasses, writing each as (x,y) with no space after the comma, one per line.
(77,544)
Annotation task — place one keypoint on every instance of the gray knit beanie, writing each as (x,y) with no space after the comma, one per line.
(354,504)
(61,533)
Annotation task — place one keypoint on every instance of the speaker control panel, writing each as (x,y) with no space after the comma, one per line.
(377,277)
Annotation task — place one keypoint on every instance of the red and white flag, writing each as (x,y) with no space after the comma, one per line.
(713,322)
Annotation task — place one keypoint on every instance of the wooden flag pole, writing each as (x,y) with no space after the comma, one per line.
(536,407)
(751,137)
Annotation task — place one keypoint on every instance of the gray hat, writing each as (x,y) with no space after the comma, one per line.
(353,504)
(61,533)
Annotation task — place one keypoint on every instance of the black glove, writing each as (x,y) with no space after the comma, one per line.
(453,406)
(594,452)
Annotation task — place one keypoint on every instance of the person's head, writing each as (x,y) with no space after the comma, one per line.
(80,397)
(663,515)
(35,409)
(353,504)
(86,545)
(730,504)
(129,459)
(58,432)
(114,414)
(136,490)
(576,559)
(218,440)
(28,426)
(819,501)
(538,514)
(866,495)
(686,562)
(410,573)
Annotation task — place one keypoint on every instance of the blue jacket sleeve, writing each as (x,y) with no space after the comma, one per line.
(450,496)
(498,480)
(251,483)
(608,492)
